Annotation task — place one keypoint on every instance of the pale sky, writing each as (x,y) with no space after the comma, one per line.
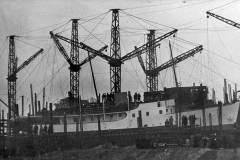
(33,19)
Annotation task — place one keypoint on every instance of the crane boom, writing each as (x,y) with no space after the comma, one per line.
(175,60)
(144,47)
(29,60)
(91,56)
(61,48)
(228,21)
(85,47)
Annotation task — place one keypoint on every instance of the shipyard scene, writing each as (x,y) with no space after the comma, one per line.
(120,80)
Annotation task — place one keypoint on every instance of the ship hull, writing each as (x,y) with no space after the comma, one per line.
(151,115)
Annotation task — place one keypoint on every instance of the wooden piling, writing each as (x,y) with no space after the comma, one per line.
(31,90)
(43,102)
(36,110)
(51,119)
(29,108)
(220,115)
(65,123)
(225,94)
(230,93)
(39,106)
(22,105)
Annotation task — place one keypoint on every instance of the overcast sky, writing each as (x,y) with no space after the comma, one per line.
(33,19)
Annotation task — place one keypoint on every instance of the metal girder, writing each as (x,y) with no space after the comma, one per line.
(115,53)
(228,21)
(86,48)
(144,47)
(175,60)
(61,48)
(151,63)
(74,56)
(12,67)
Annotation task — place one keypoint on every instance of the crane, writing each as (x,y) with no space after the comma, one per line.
(112,61)
(115,60)
(173,61)
(73,66)
(176,60)
(12,75)
(228,21)
(76,67)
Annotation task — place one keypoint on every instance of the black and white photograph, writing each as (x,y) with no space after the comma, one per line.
(119,79)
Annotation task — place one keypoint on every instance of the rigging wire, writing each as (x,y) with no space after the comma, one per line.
(29,73)
(99,15)
(54,59)
(90,32)
(218,74)
(39,29)
(174,8)
(149,21)
(3,47)
(27,43)
(147,6)
(224,5)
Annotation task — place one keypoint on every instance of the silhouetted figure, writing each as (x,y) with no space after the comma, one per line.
(129,96)
(166,123)
(138,97)
(45,129)
(135,97)
(35,130)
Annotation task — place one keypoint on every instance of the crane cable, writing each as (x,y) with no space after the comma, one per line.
(149,21)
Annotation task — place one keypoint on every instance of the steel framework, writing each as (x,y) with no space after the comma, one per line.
(151,63)
(115,53)
(12,67)
(74,56)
